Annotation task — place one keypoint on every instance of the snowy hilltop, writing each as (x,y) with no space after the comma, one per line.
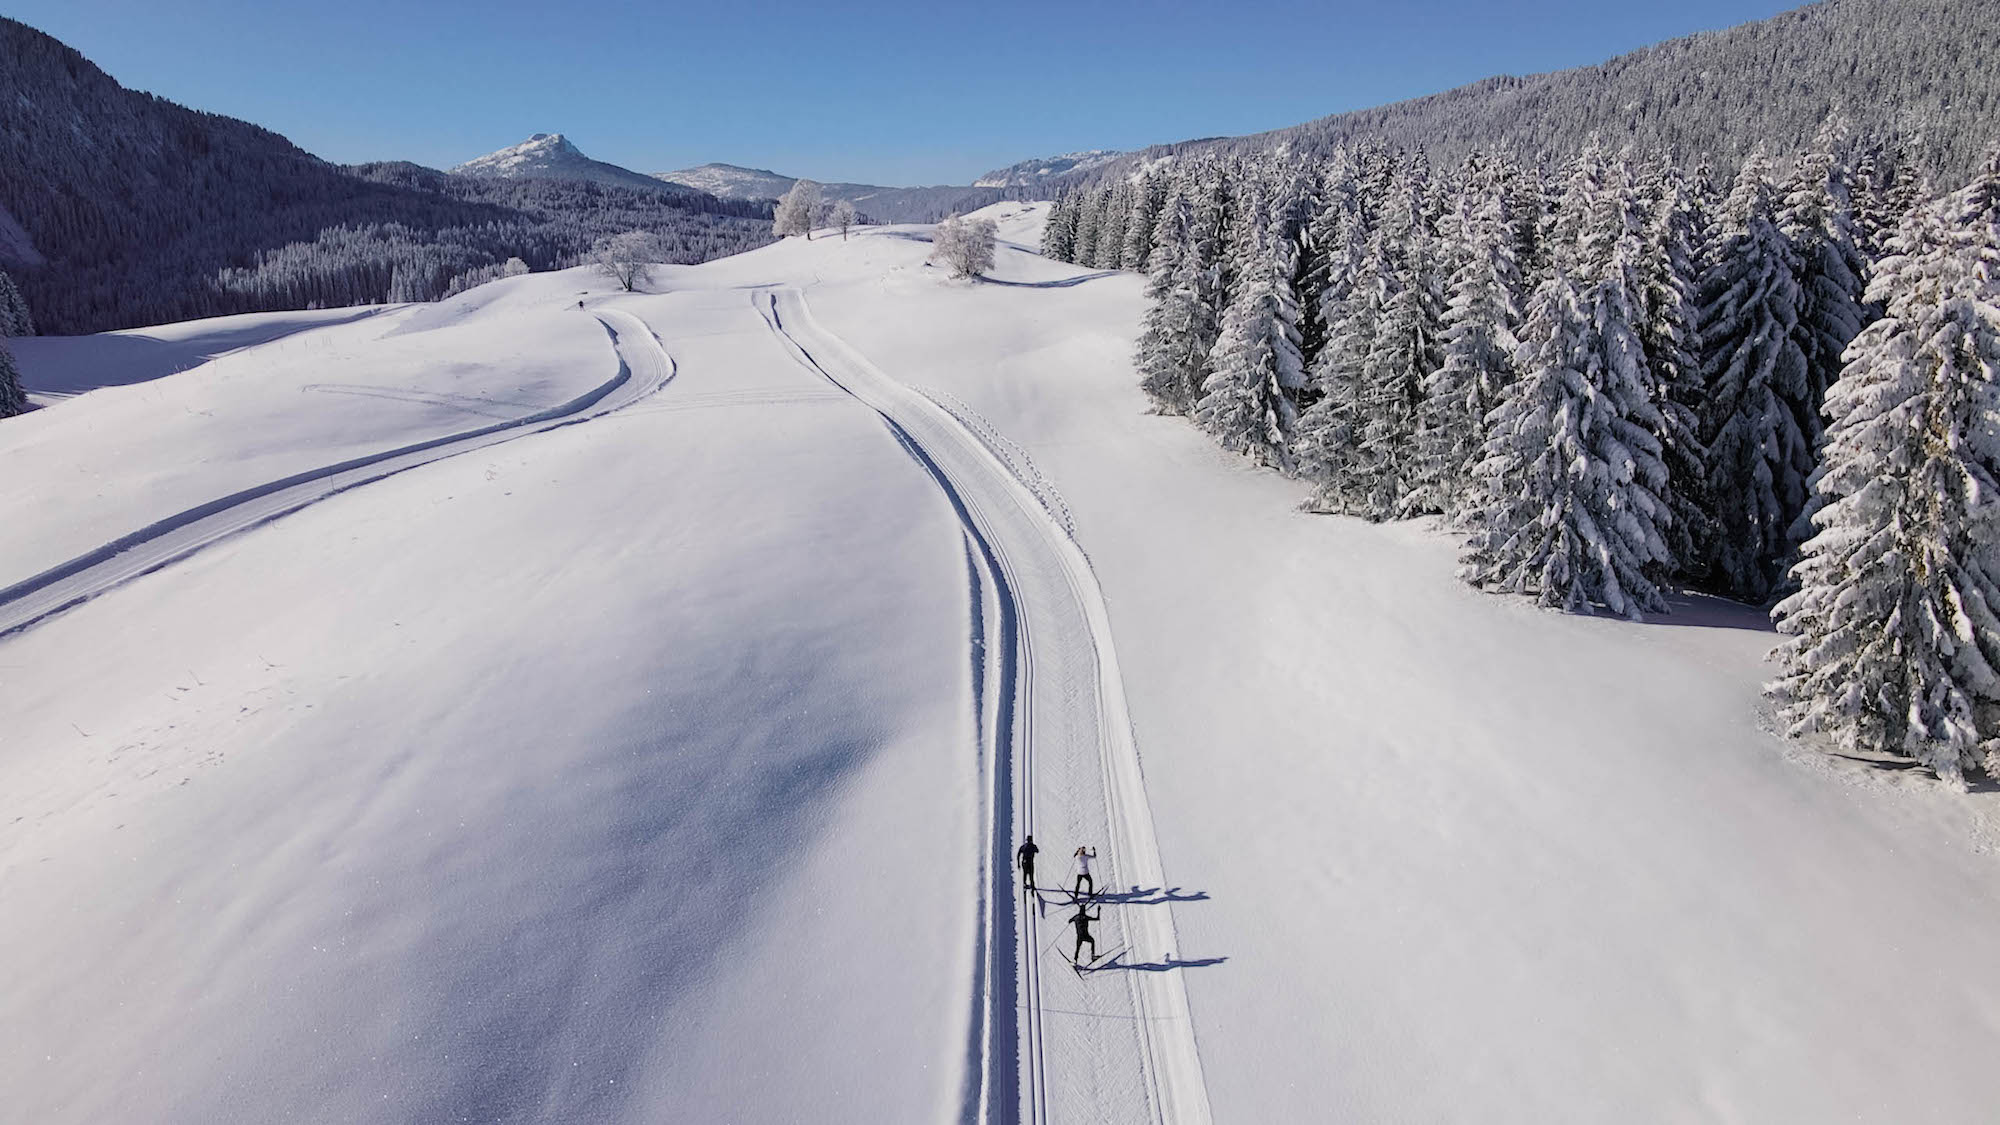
(550,156)
(728,181)
(1033,173)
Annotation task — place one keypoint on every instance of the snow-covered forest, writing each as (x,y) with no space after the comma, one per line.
(1919,68)
(1620,377)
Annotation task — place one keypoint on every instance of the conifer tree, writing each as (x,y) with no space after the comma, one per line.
(1059,233)
(1666,333)
(1571,507)
(12,400)
(1147,203)
(1759,455)
(15,320)
(1255,368)
(1181,325)
(1405,350)
(1116,208)
(1480,316)
(1089,220)
(1895,628)
(1817,215)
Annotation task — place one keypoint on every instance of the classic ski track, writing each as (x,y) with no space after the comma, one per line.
(970,474)
(167,541)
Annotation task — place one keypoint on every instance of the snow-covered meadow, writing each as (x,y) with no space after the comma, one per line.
(650,761)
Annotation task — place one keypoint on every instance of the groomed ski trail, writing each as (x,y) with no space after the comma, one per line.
(1114,1045)
(643,368)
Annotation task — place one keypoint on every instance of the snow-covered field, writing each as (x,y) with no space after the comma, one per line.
(661,757)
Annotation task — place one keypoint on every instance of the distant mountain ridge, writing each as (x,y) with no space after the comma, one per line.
(551,156)
(119,208)
(878,203)
(1921,70)
(1034,173)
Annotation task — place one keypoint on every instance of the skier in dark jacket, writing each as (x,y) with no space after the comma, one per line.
(1082,920)
(1025,858)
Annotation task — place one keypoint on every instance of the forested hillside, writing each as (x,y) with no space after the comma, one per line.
(1620,379)
(119,208)
(1921,70)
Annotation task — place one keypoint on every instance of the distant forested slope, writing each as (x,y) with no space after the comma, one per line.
(121,208)
(1923,71)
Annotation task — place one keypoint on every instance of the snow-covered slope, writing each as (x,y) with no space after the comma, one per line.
(550,156)
(1032,173)
(665,761)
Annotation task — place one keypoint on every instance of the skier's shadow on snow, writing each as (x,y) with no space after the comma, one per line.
(1152,896)
(1167,965)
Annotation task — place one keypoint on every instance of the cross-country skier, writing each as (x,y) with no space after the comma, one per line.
(1082,920)
(1085,885)
(1025,857)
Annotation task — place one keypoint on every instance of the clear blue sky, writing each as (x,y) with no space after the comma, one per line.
(869,91)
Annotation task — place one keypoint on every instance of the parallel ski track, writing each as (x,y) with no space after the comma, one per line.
(1010,532)
(644,366)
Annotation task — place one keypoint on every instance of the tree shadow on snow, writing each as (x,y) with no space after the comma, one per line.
(1705,611)
(1064,283)
(1973,784)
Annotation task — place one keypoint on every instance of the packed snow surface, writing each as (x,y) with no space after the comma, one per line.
(646,731)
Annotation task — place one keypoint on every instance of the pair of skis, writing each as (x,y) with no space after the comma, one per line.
(1095,963)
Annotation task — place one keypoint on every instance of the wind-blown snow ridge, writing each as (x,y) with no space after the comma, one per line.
(1145,1060)
(175,537)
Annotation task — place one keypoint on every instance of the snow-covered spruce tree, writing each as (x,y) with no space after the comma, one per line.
(1570,508)
(1117,211)
(1668,280)
(1255,368)
(1895,628)
(1181,325)
(1405,349)
(1482,310)
(964,245)
(12,400)
(1147,203)
(1326,444)
(1527,198)
(15,320)
(1089,218)
(797,210)
(1059,233)
(1817,214)
(1759,455)
(1328,254)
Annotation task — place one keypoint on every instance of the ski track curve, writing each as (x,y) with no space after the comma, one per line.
(1057,758)
(644,366)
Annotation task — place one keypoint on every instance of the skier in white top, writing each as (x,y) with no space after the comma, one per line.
(1085,885)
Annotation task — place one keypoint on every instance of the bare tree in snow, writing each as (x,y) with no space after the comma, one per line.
(797,209)
(966,245)
(628,258)
(843,217)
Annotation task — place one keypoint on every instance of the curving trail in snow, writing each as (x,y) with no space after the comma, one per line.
(643,368)
(1115,1044)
